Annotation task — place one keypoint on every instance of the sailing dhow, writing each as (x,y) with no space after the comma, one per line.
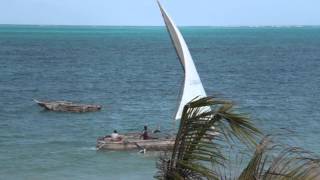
(192,88)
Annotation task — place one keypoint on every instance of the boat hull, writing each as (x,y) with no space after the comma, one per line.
(62,106)
(133,142)
(150,145)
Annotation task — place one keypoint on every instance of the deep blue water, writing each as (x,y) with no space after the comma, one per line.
(272,73)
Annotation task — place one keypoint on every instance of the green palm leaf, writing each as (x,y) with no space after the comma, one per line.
(274,162)
(205,125)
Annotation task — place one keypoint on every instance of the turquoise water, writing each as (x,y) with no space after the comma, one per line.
(272,73)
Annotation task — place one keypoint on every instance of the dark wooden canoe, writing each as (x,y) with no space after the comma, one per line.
(65,106)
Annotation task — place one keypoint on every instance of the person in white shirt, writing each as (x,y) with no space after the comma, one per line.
(115,136)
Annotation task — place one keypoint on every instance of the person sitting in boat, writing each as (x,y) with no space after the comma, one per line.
(115,136)
(144,135)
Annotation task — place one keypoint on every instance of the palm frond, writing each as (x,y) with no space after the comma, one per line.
(205,123)
(274,162)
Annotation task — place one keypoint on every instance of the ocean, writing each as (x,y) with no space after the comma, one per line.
(272,73)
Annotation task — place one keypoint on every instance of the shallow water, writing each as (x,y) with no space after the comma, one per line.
(272,73)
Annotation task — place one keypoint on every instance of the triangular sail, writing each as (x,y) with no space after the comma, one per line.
(192,87)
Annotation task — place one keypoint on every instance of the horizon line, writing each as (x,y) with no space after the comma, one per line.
(100,25)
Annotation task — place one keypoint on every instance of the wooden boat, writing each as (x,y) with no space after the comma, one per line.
(132,141)
(65,106)
(191,89)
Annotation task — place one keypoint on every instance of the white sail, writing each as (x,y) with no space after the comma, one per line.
(192,87)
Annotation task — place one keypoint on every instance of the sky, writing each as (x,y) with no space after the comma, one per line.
(146,12)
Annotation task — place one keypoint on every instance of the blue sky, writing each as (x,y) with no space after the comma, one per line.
(146,12)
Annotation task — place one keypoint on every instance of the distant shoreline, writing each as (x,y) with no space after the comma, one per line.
(138,26)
